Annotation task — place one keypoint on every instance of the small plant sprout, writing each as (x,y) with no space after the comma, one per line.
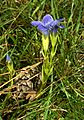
(49,27)
(8,59)
(10,67)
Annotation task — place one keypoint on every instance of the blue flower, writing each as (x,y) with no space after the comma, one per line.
(48,25)
(8,59)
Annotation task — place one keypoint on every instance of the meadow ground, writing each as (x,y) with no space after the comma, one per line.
(62,98)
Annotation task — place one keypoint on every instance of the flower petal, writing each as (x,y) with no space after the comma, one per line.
(47,18)
(36,23)
(61,26)
(43,29)
(56,22)
(54,30)
(61,19)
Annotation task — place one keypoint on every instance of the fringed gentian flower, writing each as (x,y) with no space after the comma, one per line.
(8,59)
(48,25)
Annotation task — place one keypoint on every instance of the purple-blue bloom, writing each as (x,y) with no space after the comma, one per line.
(48,25)
(8,59)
